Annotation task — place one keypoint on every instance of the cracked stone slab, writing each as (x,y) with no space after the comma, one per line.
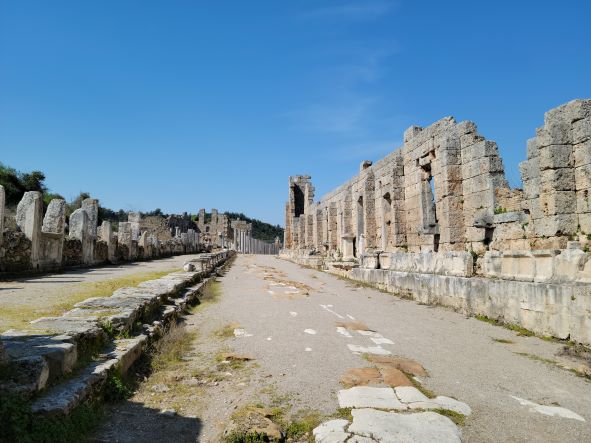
(410,394)
(369,397)
(332,431)
(391,427)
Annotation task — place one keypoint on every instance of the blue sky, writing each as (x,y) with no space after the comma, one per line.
(188,104)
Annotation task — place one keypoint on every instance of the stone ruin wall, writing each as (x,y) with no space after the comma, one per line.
(441,205)
(45,242)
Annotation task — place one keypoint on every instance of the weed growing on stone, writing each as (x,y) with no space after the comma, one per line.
(503,340)
(521,331)
(116,389)
(456,417)
(426,392)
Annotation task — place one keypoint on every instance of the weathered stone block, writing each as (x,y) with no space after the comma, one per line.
(581,131)
(582,153)
(556,225)
(556,156)
(558,202)
(583,177)
(562,179)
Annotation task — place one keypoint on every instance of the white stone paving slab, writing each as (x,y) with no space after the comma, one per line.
(409,394)
(549,410)
(390,427)
(369,397)
(377,350)
(332,431)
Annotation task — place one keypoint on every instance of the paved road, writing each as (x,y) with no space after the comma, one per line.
(287,318)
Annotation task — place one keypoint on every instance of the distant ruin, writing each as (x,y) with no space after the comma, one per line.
(42,242)
(436,218)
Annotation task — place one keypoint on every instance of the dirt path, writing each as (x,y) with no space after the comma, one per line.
(305,329)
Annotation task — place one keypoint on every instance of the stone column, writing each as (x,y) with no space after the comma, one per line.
(28,218)
(52,234)
(2,202)
(134,218)
(79,229)
(124,237)
(348,249)
(107,236)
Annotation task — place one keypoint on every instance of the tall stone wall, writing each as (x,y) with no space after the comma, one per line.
(445,190)
(440,205)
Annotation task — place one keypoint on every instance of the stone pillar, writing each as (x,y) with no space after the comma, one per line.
(2,203)
(124,237)
(52,234)
(134,218)
(28,218)
(79,229)
(107,236)
(90,205)
(348,248)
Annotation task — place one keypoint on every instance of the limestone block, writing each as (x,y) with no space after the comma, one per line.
(530,169)
(90,205)
(491,263)
(582,153)
(545,264)
(583,177)
(485,148)
(562,179)
(54,220)
(509,217)
(569,263)
(583,202)
(532,148)
(556,156)
(555,132)
(78,224)
(28,218)
(585,220)
(558,202)
(581,130)
(475,234)
(2,209)
(411,132)
(561,224)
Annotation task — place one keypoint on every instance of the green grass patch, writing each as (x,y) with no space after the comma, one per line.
(18,315)
(170,349)
(503,340)
(521,331)
(19,425)
(426,392)
(456,417)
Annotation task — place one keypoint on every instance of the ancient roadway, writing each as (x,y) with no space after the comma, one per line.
(289,320)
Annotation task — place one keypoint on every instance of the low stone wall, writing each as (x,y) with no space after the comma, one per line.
(55,362)
(558,308)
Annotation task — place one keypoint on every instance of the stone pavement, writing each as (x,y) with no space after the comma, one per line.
(405,370)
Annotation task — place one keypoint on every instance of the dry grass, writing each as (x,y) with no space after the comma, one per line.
(18,315)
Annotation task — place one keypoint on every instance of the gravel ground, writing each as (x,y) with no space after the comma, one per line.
(287,320)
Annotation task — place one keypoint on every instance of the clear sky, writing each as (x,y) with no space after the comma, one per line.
(188,104)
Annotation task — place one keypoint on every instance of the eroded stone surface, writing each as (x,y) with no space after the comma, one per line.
(369,397)
(390,427)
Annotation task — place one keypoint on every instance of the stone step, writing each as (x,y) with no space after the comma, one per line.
(63,398)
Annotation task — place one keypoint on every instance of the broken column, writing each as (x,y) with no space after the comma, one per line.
(80,230)
(52,235)
(124,239)
(108,238)
(134,218)
(2,202)
(28,218)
